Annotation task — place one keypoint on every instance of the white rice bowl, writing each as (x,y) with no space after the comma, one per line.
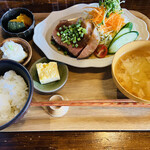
(13,95)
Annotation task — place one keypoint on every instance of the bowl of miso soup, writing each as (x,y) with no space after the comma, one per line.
(131,70)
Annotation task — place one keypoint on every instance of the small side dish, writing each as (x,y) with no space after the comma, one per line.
(47,72)
(14,51)
(18,22)
(52,75)
(13,95)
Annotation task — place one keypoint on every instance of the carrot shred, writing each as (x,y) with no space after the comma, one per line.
(113,23)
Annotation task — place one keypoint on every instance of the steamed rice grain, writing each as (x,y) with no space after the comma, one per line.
(13,95)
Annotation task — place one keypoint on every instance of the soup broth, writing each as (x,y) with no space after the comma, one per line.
(133,72)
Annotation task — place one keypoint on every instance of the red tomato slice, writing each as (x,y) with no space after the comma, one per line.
(101,51)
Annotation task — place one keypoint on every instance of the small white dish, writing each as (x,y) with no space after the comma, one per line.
(57,111)
(43,32)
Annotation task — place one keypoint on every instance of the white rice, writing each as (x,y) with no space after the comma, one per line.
(13,95)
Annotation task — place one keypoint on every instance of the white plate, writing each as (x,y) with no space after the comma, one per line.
(43,32)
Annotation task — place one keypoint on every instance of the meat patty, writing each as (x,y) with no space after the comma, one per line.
(81,44)
(91,46)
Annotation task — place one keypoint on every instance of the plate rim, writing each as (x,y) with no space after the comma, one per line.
(84,63)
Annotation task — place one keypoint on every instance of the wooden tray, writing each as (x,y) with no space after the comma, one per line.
(83,84)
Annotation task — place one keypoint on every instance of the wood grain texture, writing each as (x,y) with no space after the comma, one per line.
(82,84)
(75,141)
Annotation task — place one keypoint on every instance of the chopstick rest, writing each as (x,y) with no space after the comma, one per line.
(57,111)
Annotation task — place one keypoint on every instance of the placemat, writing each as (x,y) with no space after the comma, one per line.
(89,83)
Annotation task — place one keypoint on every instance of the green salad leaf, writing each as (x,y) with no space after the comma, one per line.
(112,6)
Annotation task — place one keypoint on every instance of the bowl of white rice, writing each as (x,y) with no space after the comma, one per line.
(16,90)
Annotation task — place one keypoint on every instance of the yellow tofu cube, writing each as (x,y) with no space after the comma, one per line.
(47,72)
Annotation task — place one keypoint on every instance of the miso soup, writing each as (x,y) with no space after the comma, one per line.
(133,72)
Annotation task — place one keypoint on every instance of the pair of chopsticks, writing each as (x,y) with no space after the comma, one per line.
(94,103)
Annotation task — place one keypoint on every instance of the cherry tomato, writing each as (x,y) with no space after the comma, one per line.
(101,51)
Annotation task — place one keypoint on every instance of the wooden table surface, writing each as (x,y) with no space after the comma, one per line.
(73,140)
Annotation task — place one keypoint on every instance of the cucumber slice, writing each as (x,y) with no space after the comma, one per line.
(126,28)
(122,40)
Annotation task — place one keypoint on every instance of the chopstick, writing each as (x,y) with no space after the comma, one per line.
(98,103)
